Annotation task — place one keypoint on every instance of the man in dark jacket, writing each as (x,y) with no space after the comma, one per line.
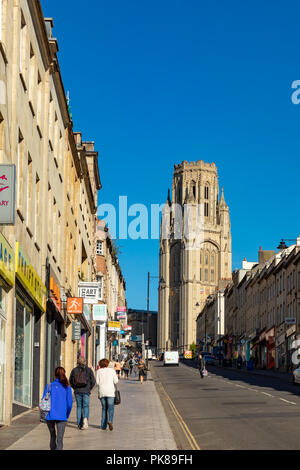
(82,380)
(201,364)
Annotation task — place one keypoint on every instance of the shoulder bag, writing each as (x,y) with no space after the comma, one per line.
(45,405)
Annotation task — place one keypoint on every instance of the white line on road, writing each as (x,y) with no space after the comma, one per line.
(268,394)
(291,402)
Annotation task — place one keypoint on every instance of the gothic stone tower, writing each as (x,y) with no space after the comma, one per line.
(193,264)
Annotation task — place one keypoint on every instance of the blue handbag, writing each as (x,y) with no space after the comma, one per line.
(45,405)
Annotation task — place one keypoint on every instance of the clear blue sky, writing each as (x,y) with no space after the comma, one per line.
(155,83)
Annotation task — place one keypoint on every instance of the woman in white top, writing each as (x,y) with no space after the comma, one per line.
(106,380)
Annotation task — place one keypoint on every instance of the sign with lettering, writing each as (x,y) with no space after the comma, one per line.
(89,291)
(76,331)
(7,261)
(28,276)
(7,194)
(113,326)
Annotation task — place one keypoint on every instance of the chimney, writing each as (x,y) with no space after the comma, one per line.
(265,255)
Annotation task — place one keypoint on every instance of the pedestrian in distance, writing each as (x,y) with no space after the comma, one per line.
(131,365)
(126,368)
(142,370)
(82,380)
(122,364)
(61,406)
(106,379)
(117,368)
(201,365)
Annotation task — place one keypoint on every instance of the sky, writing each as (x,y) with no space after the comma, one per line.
(157,82)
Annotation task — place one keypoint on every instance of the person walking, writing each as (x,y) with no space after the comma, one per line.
(142,370)
(126,368)
(82,380)
(131,365)
(201,364)
(117,368)
(61,406)
(106,379)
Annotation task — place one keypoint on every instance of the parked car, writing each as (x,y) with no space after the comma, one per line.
(296,376)
(210,359)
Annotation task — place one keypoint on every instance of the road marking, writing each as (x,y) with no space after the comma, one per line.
(268,394)
(291,402)
(183,425)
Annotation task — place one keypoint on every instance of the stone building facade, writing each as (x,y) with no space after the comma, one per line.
(113,288)
(195,252)
(52,241)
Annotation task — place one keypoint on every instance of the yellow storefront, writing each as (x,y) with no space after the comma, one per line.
(7,280)
(31,297)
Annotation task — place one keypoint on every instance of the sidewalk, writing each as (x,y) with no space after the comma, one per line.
(140,423)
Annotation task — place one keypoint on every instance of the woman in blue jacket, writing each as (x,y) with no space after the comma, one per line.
(61,406)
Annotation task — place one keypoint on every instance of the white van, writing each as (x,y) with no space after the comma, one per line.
(171,358)
(148,354)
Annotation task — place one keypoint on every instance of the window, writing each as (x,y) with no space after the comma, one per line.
(206,211)
(212,275)
(99,247)
(206,192)
(206,275)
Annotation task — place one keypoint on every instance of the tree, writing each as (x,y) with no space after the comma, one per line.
(193,348)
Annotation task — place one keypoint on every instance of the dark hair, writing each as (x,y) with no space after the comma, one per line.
(60,374)
(103,363)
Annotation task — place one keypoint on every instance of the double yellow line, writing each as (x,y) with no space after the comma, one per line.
(190,438)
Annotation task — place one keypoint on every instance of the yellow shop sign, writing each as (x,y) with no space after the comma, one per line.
(29,278)
(7,258)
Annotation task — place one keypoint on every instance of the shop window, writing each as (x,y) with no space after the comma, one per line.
(23,353)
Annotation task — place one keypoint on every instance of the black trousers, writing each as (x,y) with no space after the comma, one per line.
(56,438)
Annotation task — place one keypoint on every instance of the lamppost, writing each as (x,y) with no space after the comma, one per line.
(147,319)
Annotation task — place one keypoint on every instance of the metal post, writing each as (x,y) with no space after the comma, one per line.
(147,329)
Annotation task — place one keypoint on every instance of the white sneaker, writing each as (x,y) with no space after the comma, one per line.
(85,423)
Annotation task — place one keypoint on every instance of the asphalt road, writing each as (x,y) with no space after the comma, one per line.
(229,409)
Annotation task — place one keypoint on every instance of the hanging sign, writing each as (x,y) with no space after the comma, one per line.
(89,291)
(7,194)
(74,305)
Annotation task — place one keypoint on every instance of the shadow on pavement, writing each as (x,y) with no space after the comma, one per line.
(276,383)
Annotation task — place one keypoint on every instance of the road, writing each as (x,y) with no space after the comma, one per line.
(229,409)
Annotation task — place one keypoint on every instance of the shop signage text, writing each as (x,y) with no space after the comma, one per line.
(7,194)
(89,291)
(7,260)
(55,294)
(29,278)
(76,331)
(113,326)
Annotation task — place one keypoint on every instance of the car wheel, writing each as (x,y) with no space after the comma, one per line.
(294,381)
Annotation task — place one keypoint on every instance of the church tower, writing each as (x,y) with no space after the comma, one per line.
(195,252)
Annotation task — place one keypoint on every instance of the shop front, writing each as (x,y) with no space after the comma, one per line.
(290,343)
(7,280)
(270,344)
(280,351)
(30,304)
(54,326)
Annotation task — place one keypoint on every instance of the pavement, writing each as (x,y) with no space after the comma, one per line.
(140,423)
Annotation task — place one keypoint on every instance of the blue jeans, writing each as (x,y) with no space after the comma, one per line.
(83,407)
(108,408)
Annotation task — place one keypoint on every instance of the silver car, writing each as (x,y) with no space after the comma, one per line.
(296,376)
